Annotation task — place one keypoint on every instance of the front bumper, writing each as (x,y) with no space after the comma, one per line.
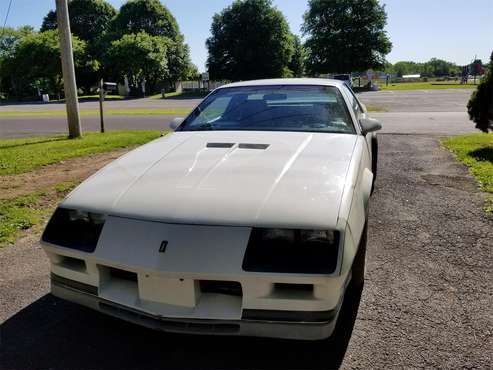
(263,323)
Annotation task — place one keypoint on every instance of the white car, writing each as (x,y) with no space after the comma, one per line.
(250,219)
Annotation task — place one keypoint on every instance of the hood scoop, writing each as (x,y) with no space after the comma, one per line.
(240,146)
(220,145)
(254,146)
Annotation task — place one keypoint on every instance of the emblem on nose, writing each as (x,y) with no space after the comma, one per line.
(162,247)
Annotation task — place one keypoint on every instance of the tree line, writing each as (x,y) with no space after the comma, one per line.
(141,41)
(250,39)
(434,68)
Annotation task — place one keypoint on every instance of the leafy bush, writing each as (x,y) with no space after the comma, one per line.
(480,106)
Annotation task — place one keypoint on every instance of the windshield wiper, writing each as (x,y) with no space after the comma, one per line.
(204,127)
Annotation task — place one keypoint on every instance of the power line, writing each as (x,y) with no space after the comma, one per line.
(7,15)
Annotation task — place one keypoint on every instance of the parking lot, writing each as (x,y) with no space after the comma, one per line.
(426,301)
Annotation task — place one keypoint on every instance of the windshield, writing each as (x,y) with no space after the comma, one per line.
(272,108)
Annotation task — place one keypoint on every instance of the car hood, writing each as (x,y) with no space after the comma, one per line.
(278,179)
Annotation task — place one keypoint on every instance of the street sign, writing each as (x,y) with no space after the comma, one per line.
(205,76)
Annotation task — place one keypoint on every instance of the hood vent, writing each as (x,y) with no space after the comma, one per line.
(254,146)
(220,145)
(241,146)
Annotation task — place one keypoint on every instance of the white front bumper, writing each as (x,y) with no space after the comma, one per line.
(168,285)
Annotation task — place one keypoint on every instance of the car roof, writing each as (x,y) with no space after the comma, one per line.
(287,81)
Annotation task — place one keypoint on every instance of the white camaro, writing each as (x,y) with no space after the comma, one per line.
(249,219)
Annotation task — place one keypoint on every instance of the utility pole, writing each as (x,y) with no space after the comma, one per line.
(69,83)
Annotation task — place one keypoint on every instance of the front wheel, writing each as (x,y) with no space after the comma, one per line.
(358,269)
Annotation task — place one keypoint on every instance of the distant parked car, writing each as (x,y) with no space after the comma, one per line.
(250,219)
(346,78)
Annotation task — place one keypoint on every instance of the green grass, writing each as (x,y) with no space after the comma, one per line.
(95,112)
(93,97)
(18,214)
(24,155)
(375,108)
(28,211)
(426,86)
(65,187)
(476,151)
(188,94)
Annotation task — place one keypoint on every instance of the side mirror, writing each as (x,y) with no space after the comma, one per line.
(369,125)
(176,123)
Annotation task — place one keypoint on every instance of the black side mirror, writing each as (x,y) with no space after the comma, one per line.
(369,125)
(176,123)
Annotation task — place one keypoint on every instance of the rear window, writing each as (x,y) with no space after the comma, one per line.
(272,108)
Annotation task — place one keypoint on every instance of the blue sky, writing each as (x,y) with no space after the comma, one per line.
(454,30)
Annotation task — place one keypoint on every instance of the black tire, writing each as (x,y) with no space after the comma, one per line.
(374,161)
(358,269)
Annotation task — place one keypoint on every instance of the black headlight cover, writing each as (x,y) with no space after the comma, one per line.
(291,251)
(74,229)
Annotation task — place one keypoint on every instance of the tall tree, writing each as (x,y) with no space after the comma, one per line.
(297,63)
(405,68)
(480,107)
(9,38)
(439,68)
(345,35)
(9,41)
(36,63)
(89,19)
(148,16)
(178,60)
(250,39)
(141,57)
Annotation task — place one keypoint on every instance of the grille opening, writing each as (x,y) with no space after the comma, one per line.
(293,291)
(72,263)
(72,284)
(221,287)
(283,287)
(122,274)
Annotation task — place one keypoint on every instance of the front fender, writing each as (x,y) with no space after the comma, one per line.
(354,206)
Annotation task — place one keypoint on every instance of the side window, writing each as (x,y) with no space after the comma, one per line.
(356,107)
(213,111)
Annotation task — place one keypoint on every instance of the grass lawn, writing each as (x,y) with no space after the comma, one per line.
(426,86)
(28,211)
(375,108)
(93,97)
(16,215)
(23,155)
(95,112)
(476,151)
(188,94)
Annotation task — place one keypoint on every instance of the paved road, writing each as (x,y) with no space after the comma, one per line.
(448,100)
(427,111)
(22,126)
(14,127)
(145,103)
